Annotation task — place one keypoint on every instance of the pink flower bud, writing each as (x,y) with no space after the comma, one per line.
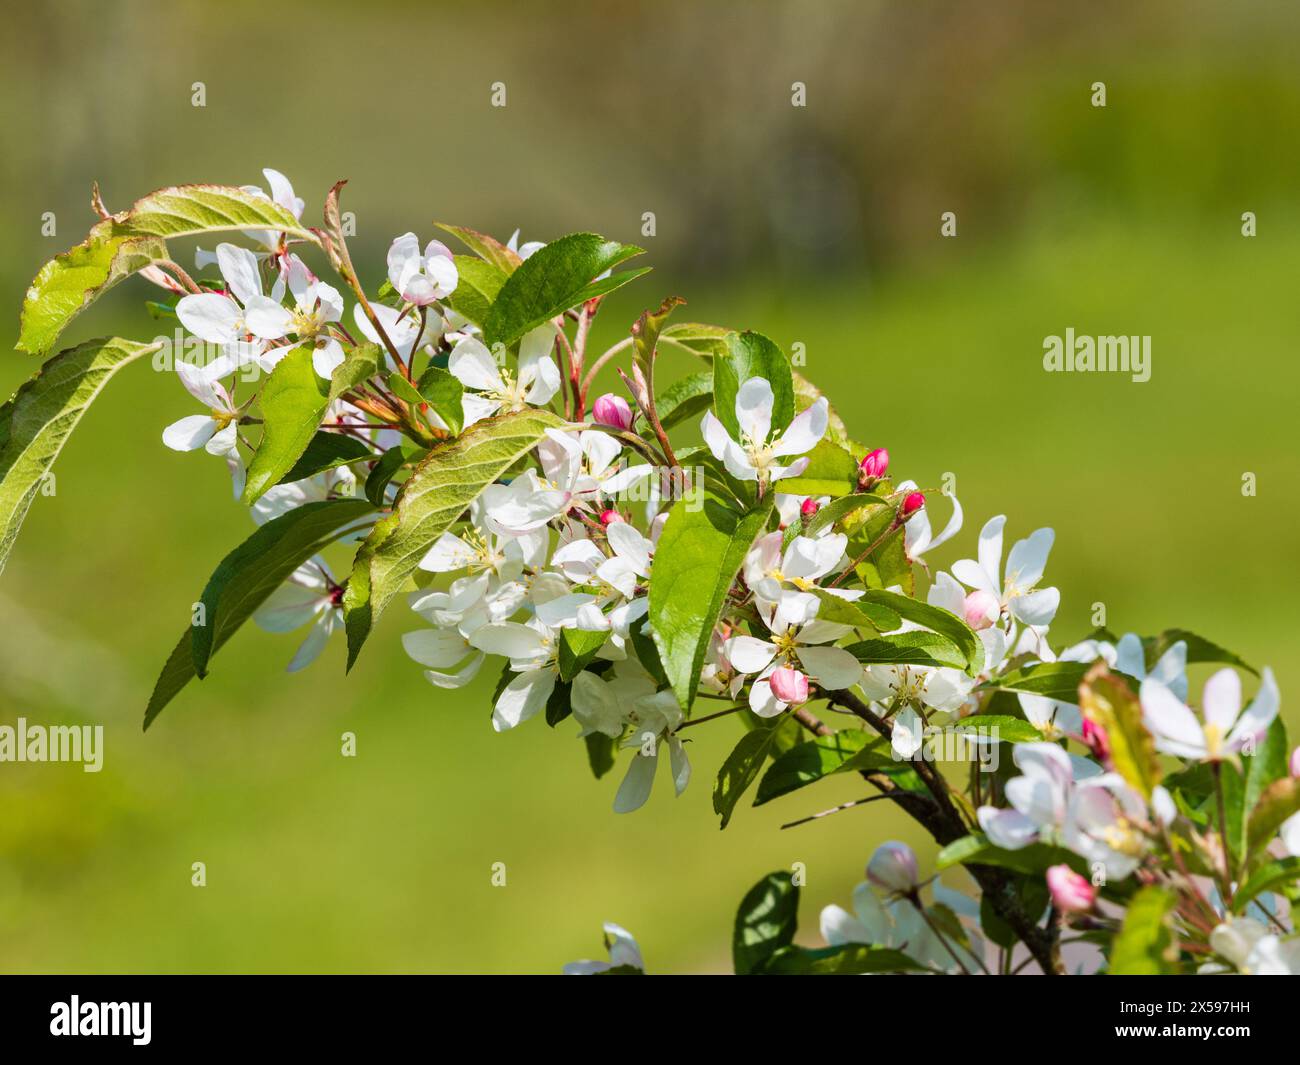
(789,685)
(893,867)
(611,516)
(874,464)
(1094,736)
(912,502)
(613,411)
(980,609)
(1071,893)
(1295,762)
(809,507)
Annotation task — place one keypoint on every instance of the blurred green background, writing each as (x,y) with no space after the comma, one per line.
(817,225)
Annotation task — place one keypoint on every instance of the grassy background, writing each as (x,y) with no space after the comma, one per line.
(817,227)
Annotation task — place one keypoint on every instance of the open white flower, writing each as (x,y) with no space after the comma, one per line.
(316,305)
(221,318)
(1224,729)
(217,431)
(493,388)
(797,640)
(753,457)
(1018,592)
(421,278)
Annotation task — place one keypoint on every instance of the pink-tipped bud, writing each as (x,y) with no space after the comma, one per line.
(789,685)
(613,411)
(874,464)
(809,507)
(1071,893)
(893,867)
(912,502)
(611,517)
(1295,762)
(980,609)
(1096,740)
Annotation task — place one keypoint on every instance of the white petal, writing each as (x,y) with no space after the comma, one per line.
(1165,715)
(436,648)
(240,269)
(448,553)
(635,789)
(522,697)
(754,403)
(805,431)
(190,433)
(749,655)
(510,639)
(266,318)
(1028,559)
(1037,608)
(473,366)
(1221,702)
(210,316)
(832,667)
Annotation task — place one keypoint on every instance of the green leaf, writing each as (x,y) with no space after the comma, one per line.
(1279,801)
(934,618)
(703,341)
(765,922)
(38,419)
(909,648)
(487,248)
(552,280)
(698,556)
(244,580)
(1199,649)
(1267,764)
(752,355)
(130,241)
(1283,871)
(577,649)
(1144,942)
(442,391)
(1108,701)
(477,288)
(601,751)
(808,762)
(191,210)
(70,282)
(327,451)
(293,402)
(359,365)
(383,471)
(740,770)
(645,332)
(436,494)
(831,472)
(1055,680)
(859,615)
(845,960)
(1009,729)
(685,398)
